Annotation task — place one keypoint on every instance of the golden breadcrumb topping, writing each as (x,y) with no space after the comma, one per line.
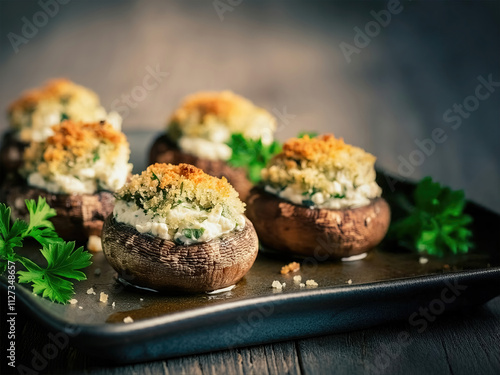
(55,89)
(75,146)
(290,267)
(322,172)
(324,151)
(38,109)
(203,113)
(162,187)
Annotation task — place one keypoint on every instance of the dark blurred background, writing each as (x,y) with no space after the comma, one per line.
(392,89)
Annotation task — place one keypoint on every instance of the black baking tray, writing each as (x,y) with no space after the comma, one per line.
(389,284)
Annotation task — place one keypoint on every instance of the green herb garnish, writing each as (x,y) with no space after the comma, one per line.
(63,261)
(308,203)
(193,233)
(310,134)
(435,223)
(64,116)
(251,154)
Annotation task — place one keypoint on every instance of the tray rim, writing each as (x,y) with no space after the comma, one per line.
(116,330)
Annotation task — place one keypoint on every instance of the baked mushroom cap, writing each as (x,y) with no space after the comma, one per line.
(166,266)
(33,114)
(325,202)
(75,169)
(36,110)
(78,216)
(164,150)
(320,233)
(199,129)
(177,228)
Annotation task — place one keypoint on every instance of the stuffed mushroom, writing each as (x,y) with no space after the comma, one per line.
(175,228)
(318,197)
(32,116)
(76,169)
(199,130)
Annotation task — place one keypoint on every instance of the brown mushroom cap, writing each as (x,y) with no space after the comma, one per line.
(165,266)
(78,216)
(321,233)
(164,150)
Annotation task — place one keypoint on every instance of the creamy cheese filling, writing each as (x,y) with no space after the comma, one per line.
(205,149)
(212,145)
(344,194)
(89,180)
(192,224)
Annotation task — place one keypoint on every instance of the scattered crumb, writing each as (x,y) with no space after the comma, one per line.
(277,285)
(103,297)
(81,308)
(113,305)
(283,285)
(97,272)
(311,283)
(141,299)
(297,279)
(302,285)
(446,266)
(423,260)
(349,281)
(128,319)
(291,267)
(91,291)
(94,243)
(73,301)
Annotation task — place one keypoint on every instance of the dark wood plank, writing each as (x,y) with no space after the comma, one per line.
(461,343)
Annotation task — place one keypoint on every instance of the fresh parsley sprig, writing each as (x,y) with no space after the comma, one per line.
(63,261)
(251,154)
(310,134)
(435,224)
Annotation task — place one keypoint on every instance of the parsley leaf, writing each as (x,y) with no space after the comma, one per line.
(193,233)
(47,284)
(308,133)
(155,177)
(436,224)
(251,154)
(63,261)
(10,236)
(40,213)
